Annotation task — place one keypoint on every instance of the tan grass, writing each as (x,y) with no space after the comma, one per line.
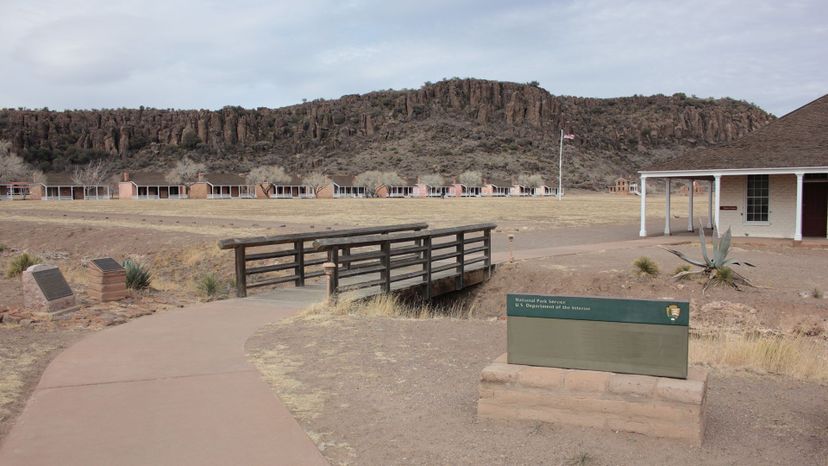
(385,306)
(277,368)
(535,213)
(15,363)
(793,356)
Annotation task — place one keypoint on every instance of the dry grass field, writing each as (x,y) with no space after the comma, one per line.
(238,217)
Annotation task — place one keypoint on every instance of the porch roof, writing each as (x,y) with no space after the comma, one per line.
(797,141)
(225,179)
(150,179)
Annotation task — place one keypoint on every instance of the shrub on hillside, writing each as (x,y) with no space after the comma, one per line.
(138,276)
(21,263)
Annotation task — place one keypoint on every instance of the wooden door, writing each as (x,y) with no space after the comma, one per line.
(815,209)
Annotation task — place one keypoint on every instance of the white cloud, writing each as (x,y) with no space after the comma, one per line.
(206,54)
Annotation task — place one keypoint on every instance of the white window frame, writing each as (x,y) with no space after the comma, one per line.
(745,220)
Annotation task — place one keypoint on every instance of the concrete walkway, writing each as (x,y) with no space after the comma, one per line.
(174,388)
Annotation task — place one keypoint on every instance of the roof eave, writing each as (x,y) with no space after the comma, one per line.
(730,172)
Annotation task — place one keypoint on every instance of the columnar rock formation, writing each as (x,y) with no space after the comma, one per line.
(453,125)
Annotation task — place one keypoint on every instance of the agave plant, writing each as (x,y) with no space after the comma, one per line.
(716,267)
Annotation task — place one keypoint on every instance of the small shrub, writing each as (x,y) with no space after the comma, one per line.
(138,276)
(724,276)
(818,294)
(209,285)
(3,248)
(646,266)
(21,263)
(680,270)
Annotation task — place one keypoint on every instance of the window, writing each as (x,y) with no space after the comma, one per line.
(757,198)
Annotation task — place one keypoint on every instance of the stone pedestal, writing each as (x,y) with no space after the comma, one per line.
(107,280)
(46,292)
(654,406)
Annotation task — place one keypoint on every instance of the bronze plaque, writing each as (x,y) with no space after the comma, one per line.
(52,284)
(107,264)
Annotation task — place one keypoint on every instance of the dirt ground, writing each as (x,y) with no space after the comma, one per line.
(398,391)
(366,408)
(783,300)
(24,355)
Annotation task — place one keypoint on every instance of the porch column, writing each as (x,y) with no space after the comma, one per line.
(710,206)
(643,232)
(798,224)
(667,185)
(690,205)
(718,185)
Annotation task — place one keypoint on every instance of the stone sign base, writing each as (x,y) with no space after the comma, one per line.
(654,406)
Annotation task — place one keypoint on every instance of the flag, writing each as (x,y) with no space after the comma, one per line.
(569,136)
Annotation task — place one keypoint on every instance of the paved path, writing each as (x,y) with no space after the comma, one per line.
(174,388)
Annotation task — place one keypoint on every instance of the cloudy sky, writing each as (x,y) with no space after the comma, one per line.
(208,54)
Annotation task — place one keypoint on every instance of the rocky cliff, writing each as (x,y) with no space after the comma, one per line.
(499,128)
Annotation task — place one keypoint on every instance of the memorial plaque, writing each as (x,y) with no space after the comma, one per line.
(647,337)
(107,264)
(46,291)
(52,283)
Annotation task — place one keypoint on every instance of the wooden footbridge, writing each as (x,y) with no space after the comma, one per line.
(368,261)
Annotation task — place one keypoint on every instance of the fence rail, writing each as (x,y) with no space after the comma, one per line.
(416,258)
(273,260)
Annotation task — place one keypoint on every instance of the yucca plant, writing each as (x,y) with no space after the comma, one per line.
(21,263)
(645,266)
(716,267)
(138,277)
(209,285)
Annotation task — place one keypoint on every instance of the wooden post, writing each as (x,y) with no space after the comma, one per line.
(461,260)
(300,262)
(385,275)
(347,252)
(487,243)
(241,273)
(330,273)
(427,266)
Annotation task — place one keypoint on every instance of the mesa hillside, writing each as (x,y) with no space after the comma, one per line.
(499,128)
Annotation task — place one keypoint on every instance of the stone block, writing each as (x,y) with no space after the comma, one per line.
(587,381)
(683,391)
(628,384)
(542,377)
(500,373)
(48,295)
(654,406)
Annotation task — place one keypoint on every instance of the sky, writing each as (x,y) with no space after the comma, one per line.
(67,54)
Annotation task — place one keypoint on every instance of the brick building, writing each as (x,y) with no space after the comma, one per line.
(772,183)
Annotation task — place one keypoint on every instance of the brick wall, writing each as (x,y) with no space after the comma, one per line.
(199,190)
(126,190)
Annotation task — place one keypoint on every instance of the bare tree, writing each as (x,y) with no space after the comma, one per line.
(432,180)
(12,167)
(374,180)
(264,176)
(317,182)
(185,172)
(38,177)
(470,178)
(95,173)
(531,181)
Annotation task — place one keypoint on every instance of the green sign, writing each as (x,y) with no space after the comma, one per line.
(633,336)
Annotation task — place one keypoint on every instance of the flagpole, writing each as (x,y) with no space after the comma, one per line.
(560,169)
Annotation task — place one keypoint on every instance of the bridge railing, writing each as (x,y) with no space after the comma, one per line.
(273,260)
(416,258)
